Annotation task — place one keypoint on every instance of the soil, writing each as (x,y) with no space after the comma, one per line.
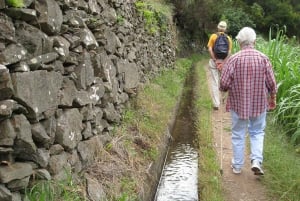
(236,187)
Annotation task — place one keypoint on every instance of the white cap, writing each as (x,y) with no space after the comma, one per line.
(222,25)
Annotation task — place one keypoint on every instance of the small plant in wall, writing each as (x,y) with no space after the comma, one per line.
(15,3)
(149,15)
(120,19)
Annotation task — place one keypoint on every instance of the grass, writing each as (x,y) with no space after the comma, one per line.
(51,190)
(209,174)
(284,54)
(282,164)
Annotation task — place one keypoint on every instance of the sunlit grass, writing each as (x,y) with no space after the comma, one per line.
(52,190)
(209,171)
(158,99)
(282,164)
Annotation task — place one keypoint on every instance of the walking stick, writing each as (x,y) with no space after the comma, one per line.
(221,170)
(219,64)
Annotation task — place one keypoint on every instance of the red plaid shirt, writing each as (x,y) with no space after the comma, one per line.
(248,77)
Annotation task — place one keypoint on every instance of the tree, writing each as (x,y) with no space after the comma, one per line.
(270,13)
(237,19)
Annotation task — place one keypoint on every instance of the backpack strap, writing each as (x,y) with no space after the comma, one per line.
(221,33)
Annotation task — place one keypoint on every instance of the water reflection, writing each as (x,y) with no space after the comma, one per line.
(179,177)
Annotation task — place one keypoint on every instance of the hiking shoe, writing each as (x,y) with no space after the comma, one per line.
(236,170)
(256,168)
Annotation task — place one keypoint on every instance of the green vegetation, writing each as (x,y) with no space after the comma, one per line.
(157,14)
(209,171)
(282,164)
(236,19)
(283,133)
(149,15)
(162,7)
(120,19)
(198,18)
(128,186)
(15,3)
(55,191)
(285,57)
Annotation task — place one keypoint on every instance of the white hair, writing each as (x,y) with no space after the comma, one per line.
(246,36)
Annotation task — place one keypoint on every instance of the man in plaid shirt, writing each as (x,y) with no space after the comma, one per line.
(249,79)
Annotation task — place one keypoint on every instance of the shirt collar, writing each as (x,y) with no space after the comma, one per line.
(250,46)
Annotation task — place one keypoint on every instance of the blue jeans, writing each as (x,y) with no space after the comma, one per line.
(255,126)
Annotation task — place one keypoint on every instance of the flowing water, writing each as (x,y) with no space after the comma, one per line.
(179,178)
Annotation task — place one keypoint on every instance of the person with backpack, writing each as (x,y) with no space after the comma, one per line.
(249,79)
(219,47)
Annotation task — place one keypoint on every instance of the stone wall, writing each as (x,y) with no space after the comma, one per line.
(67,70)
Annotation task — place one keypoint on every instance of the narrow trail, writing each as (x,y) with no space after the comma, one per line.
(245,186)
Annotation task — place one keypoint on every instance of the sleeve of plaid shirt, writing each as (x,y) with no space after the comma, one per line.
(270,79)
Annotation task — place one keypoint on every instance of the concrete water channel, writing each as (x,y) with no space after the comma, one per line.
(179,178)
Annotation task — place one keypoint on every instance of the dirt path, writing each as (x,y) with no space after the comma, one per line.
(245,186)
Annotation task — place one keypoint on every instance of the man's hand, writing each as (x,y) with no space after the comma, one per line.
(219,64)
(272,102)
